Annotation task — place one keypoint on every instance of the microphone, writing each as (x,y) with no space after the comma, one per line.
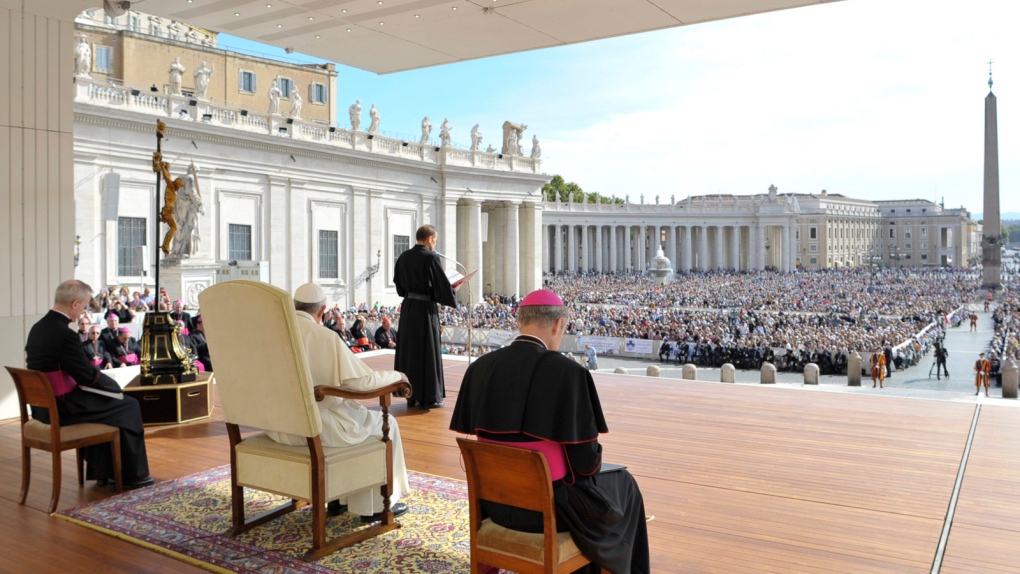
(451,259)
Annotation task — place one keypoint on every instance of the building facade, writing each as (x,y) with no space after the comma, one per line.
(753,232)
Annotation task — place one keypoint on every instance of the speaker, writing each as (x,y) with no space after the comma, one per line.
(111,196)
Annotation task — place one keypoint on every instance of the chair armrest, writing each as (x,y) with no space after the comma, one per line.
(401,388)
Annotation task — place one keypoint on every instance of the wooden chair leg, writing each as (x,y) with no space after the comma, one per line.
(81,467)
(26,472)
(57,470)
(118,477)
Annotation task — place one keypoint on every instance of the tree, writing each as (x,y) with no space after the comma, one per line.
(558,187)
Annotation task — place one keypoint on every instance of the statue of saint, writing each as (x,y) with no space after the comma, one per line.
(177,70)
(82,58)
(355,112)
(202,81)
(274,97)
(518,131)
(296,103)
(476,138)
(426,131)
(166,215)
(187,209)
(656,199)
(490,149)
(444,133)
(511,144)
(672,199)
(373,115)
(536,150)
(642,199)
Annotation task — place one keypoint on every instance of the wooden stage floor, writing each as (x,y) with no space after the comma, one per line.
(739,479)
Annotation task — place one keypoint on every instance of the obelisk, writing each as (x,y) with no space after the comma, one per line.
(991,248)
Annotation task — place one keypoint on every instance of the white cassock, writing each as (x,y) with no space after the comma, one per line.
(346,422)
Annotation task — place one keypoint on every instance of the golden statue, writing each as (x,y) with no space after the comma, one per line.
(169,199)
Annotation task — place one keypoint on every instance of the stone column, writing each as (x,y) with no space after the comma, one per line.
(685,263)
(530,215)
(718,247)
(641,255)
(703,248)
(598,248)
(991,253)
(546,259)
(558,247)
(786,247)
(671,246)
(627,245)
(571,249)
(585,248)
(759,255)
(735,248)
(614,265)
(511,249)
(490,279)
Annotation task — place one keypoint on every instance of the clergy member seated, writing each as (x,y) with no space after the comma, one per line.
(345,422)
(360,336)
(126,351)
(201,347)
(528,395)
(56,351)
(83,328)
(96,351)
(109,334)
(386,335)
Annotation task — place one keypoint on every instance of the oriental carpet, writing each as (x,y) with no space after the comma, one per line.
(188,518)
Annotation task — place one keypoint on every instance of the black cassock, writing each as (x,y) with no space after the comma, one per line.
(421,281)
(51,347)
(525,392)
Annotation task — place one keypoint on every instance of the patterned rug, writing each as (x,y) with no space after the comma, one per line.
(187,519)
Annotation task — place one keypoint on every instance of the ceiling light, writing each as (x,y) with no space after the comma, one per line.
(454,7)
(317,36)
(279,25)
(237,13)
(381,23)
(269,5)
(344,10)
(417,16)
(348,29)
(380,2)
(311,17)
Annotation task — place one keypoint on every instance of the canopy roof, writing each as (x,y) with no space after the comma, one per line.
(392,35)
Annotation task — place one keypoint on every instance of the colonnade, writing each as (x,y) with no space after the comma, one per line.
(624,248)
(501,239)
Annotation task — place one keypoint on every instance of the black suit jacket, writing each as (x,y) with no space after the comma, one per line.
(383,338)
(53,346)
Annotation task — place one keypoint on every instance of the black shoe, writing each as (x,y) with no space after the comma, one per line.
(433,405)
(138,483)
(398,510)
(334,508)
(411,403)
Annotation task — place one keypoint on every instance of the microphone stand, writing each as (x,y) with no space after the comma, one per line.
(470,308)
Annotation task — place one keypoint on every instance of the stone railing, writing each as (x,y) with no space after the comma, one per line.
(191,109)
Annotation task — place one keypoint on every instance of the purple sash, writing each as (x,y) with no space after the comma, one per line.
(61,382)
(199,366)
(97,362)
(129,359)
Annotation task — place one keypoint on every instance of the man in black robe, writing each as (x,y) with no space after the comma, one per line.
(109,333)
(421,281)
(53,348)
(528,392)
(386,335)
(96,350)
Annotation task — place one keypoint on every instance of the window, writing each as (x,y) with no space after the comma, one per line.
(813,233)
(135,23)
(907,233)
(239,242)
(908,246)
(247,82)
(111,20)
(104,59)
(286,87)
(907,256)
(329,262)
(155,29)
(813,247)
(892,234)
(814,260)
(130,236)
(924,246)
(319,94)
(924,256)
(401,243)
(924,233)
(908,211)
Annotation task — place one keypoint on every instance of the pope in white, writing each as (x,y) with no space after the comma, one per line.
(345,422)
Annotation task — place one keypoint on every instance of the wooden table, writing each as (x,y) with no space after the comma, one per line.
(173,404)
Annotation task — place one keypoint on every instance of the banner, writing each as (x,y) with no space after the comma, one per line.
(602,345)
(641,346)
(501,338)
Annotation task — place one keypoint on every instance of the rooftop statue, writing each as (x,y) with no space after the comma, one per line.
(202,80)
(476,138)
(536,149)
(82,58)
(274,97)
(444,133)
(177,70)
(355,112)
(426,131)
(373,115)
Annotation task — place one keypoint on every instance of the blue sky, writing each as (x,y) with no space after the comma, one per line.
(874,99)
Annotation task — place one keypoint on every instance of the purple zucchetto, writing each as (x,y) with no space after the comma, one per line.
(542,297)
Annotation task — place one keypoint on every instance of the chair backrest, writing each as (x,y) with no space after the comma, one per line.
(34,389)
(261,369)
(507,475)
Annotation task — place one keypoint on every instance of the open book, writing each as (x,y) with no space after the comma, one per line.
(101,392)
(456,279)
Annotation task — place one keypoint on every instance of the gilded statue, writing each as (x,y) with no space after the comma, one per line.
(166,215)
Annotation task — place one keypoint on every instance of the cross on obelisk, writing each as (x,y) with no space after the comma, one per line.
(991,248)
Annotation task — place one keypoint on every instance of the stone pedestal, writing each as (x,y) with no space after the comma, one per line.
(853,370)
(810,374)
(728,373)
(185,280)
(653,371)
(689,372)
(768,374)
(1010,377)
(82,88)
(620,371)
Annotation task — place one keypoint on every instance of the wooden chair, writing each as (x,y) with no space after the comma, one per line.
(264,382)
(34,389)
(516,477)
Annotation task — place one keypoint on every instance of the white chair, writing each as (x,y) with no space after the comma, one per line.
(264,382)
